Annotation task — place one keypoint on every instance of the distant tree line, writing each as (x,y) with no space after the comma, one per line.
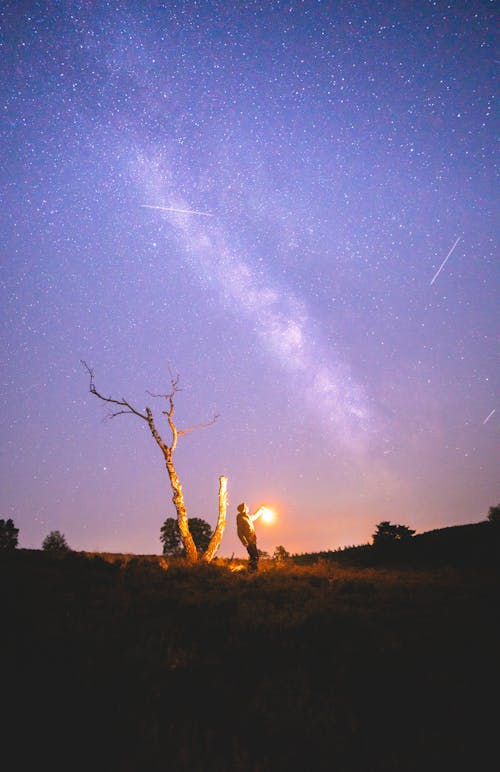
(386,534)
(55,541)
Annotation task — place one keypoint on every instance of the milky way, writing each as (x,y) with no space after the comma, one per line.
(280,322)
(293,206)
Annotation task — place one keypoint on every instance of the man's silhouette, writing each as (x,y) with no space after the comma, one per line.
(247,535)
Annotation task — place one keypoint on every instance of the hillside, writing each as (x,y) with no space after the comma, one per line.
(474,544)
(132,663)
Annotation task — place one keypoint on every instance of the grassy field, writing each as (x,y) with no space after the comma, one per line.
(135,663)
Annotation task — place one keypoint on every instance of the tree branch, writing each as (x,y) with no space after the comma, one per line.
(121,403)
(180,432)
(176,433)
(148,416)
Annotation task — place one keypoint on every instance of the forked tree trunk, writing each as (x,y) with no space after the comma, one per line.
(215,541)
(175,483)
(168,450)
(180,507)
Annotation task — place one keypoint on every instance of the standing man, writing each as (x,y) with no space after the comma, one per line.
(247,535)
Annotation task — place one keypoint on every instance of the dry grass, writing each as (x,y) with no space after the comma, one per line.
(151,664)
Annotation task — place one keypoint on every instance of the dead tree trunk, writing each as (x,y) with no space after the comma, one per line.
(168,451)
(215,541)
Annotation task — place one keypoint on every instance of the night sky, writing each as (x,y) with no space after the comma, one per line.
(332,295)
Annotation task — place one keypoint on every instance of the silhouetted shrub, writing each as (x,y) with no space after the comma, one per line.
(55,541)
(8,535)
(389,533)
(281,556)
(494,514)
(170,536)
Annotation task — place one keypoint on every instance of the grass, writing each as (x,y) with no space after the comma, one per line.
(135,663)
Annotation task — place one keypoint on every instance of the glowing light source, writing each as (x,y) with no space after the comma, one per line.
(267,514)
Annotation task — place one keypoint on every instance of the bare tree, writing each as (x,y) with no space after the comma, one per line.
(123,407)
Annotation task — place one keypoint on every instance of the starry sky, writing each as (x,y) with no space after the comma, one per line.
(329,287)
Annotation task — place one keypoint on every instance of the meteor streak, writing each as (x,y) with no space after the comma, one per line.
(488,417)
(280,319)
(444,261)
(179,211)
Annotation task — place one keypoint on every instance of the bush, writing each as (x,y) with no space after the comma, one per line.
(281,556)
(389,533)
(170,536)
(494,514)
(55,542)
(8,535)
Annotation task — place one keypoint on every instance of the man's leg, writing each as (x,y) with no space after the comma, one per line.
(253,553)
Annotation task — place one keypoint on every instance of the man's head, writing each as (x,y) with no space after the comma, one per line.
(243,508)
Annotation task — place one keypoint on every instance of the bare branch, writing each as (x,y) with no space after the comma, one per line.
(180,432)
(148,416)
(170,396)
(91,374)
(157,396)
(121,403)
(174,379)
(124,412)
(170,412)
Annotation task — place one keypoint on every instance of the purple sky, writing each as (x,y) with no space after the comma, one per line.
(338,309)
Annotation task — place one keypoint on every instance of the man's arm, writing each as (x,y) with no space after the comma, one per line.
(257,514)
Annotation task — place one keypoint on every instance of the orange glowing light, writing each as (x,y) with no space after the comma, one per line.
(267,515)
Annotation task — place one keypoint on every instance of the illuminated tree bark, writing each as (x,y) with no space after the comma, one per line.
(168,451)
(215,541)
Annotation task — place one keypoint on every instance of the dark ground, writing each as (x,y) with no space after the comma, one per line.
(119,664)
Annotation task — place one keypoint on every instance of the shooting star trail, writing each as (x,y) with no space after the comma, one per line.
(279,319)
(179,211)
(444,261)
(489,416)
